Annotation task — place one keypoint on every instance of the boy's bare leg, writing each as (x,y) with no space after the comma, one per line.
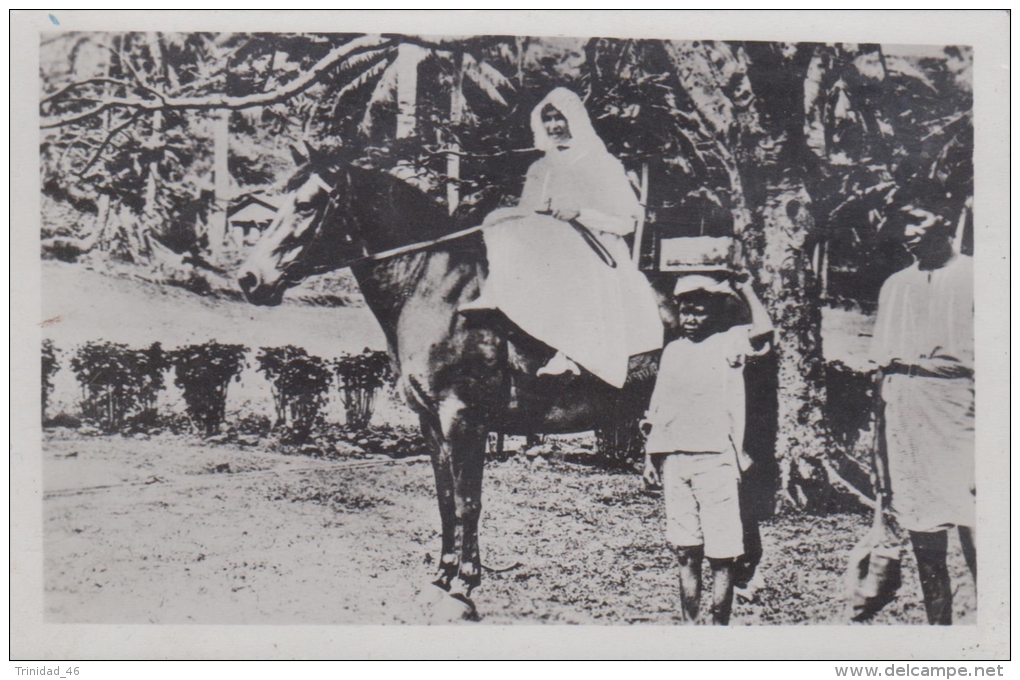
(722,590)
(930,551)
(690,581)
(969,550)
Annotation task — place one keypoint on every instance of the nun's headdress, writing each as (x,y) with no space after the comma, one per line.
(582,134)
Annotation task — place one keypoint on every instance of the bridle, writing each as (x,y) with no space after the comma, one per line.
(411,281)
(332,210)
(331,206)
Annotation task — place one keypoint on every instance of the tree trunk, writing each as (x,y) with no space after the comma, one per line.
(742,219)
(102,219)
(776,246)
(152,178)
(639,231)
(408,58)
(825,270)
(778,254)
(217,230)
(149,218)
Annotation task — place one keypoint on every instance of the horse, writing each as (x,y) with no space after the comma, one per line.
(465,375)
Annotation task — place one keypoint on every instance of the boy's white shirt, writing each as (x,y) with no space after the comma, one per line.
(699,400)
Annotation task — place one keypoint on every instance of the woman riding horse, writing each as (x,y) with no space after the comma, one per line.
(559,267)
(455,371)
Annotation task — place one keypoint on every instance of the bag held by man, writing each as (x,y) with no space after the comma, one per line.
(874,574)
(875,571)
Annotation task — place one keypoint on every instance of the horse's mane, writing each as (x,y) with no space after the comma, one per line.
(407,213)
(397,212)
(402,202)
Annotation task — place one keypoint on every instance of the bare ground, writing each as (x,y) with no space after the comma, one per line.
(168,530)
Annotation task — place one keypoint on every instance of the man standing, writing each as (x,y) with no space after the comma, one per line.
(924,348)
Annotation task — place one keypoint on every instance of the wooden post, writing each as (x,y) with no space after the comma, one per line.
(407,88)
(960,226)
(825,269)
(453,159)
(639,231)
(221,183)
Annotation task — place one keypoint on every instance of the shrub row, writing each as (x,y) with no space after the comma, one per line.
(120,384)
(203,373)
(300,384)
(361,375)
(49,368)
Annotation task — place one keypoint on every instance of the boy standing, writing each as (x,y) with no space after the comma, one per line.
(695,429)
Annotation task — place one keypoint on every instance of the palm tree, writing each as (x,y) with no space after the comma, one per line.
(396,82)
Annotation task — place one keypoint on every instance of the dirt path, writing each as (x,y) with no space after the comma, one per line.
(167,530)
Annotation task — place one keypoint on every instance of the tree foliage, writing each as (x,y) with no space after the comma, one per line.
(49,368)
(805,151)
(873,125)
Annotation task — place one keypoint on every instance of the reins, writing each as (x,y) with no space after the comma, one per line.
(412,247)
(589,238)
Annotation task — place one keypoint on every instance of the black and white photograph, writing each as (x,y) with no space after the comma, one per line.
(411,328)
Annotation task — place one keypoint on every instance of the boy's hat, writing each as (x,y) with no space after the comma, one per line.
(701,283)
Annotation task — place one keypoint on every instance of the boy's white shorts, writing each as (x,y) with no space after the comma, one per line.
(702,503)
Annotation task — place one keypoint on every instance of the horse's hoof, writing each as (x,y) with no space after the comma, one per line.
(453,608)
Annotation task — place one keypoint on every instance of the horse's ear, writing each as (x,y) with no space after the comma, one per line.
(310,150)
(299,158)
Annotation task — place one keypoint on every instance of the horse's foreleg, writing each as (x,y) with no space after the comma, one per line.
(468,459)
(465,439)
(439,451)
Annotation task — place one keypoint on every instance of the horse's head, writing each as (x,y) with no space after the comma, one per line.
(311,233)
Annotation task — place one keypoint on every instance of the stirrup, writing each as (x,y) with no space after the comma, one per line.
(560,364)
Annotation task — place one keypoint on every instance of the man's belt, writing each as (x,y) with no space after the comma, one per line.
(915,371)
